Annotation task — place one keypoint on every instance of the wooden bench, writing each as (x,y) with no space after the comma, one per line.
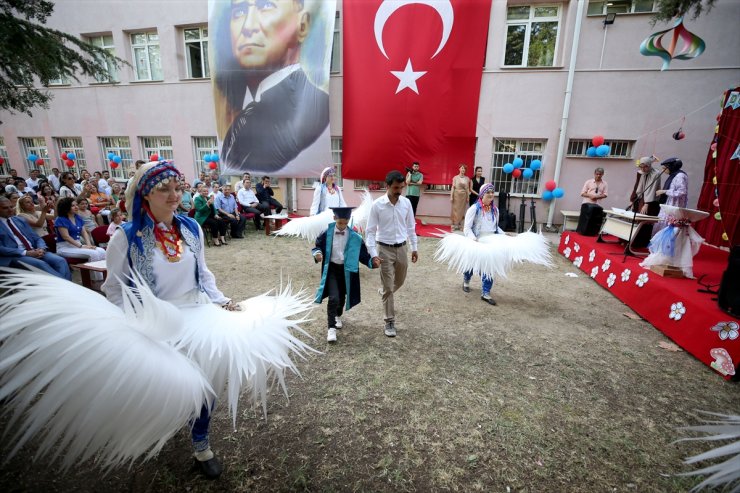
(86,268)
(570,220)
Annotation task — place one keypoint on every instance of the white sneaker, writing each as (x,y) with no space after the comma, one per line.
(338,323)
(331,335)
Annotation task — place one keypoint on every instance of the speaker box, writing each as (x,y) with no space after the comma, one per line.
(589,222)
(728,296)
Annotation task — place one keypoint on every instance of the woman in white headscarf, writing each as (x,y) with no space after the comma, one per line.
(327,194)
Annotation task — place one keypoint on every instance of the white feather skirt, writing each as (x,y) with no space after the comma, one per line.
(494,254)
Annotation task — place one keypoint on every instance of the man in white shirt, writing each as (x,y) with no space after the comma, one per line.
(390,228)
(33,182)
(251,204)
(54,179)
(103,186)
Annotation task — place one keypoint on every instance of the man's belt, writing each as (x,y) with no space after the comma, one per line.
(395,245)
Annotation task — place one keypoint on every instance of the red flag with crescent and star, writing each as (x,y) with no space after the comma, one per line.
(412,75)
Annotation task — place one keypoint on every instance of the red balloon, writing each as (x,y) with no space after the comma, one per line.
(39,162)
(597,140)
(154,157)
(212,165)
(69,163)
(551,185)
(113,164)
(64,156)
(516,173)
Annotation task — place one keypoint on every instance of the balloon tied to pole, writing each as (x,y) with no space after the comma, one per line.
(598,147)
(517,170)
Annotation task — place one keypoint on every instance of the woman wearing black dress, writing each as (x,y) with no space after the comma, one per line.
(478,181)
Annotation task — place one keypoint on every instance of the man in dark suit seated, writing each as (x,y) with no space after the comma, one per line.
(21,247)
(265,196)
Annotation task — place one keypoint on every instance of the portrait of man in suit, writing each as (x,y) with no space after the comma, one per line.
(270,108)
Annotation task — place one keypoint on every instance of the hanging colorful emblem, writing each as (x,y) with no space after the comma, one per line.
(674,43)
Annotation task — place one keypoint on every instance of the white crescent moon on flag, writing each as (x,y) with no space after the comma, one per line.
(388,7)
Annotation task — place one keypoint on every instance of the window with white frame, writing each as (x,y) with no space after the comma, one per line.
(505,151)
(5,164)
(105,42)
(531,35)
(146,56)
(621,7)
(336,47)
(336,159)
(71,144)
(59,81)
(201,147)
(120,146)
(620,149)
(196,52)
(161,146)
(37,147)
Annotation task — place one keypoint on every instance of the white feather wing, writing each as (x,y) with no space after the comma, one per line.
(493,255)
(247,349)
(362,213)
(308,228)
(85,377)
(724,474)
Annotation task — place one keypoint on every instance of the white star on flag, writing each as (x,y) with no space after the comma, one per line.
(407,78)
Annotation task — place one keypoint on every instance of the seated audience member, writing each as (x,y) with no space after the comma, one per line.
(116,219)
(69,188)
(85,176)
(14,176)
(13,197)
(265,195)
(226,206)
(73,240)
(22,189)
(201,179)
(205,215)
(186,203)
(47,195)
(21,247)
(54,179)
(100,202)
(250,204)
(32,183)
(90,220)
(116,193)
(103,185)
(240,184)
(36,219)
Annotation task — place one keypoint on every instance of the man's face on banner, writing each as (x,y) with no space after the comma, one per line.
(266,34)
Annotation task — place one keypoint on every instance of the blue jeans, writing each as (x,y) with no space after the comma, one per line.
(200,429)
(486,280)
(50,262)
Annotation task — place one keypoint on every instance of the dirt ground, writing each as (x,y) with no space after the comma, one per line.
(554,389)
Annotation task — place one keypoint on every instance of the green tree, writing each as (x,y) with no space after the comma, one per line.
(30,52)
(668,9)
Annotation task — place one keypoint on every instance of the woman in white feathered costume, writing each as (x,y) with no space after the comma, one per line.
(481,220)
(327,194)
(116,384)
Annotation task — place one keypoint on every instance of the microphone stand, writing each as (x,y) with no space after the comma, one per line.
(532,214)
(634,204)
(522,212)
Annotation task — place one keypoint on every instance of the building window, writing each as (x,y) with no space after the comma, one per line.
(59,81)
(531,35)
(196,52)
(5,165)
(120,146)
(336,159)
(71,144)
(201,147)
(147,60)
(37,147)
(621,7)
(620,149)
(106,42)
(336,47)
(505,151)
(161,146)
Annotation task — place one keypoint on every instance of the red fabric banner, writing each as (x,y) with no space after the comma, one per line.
(724,196)
(412,75)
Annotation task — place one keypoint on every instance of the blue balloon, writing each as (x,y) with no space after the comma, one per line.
(117,159)
(518,162)
(558,193)
(71,156)
(602,150)
(547,195)
(32,157)
(508,168)
(214,158)
(535,165)
(110,156)
(527,173)
(207,158)
(591,152)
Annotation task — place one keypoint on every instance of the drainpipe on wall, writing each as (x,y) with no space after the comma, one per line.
(582,4)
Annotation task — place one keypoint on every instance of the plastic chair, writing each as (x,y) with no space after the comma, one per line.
(100,236)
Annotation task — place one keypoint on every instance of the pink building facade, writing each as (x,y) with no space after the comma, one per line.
(163,102)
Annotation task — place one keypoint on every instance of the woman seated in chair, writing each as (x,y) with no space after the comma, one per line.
(205,215)
(73,241)
(36,219)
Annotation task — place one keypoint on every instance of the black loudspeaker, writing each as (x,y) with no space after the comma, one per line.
(728,296)
(506,219)
(589,222)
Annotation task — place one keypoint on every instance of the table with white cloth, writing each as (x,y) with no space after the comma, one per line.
(620,223)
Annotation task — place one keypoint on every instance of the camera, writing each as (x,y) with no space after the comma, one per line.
(409,170)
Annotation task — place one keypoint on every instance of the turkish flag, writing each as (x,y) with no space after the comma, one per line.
(412,75)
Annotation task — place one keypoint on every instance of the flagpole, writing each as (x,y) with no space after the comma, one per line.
(566,103)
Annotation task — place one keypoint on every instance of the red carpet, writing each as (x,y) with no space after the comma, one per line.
(673,306)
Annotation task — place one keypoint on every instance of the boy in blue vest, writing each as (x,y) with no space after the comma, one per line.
(341,251)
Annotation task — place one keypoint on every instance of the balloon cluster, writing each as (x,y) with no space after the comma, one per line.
(515,168)
(68,158)
(598,149)
(35,159)
(552,191)
(114,160)
(212,160)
